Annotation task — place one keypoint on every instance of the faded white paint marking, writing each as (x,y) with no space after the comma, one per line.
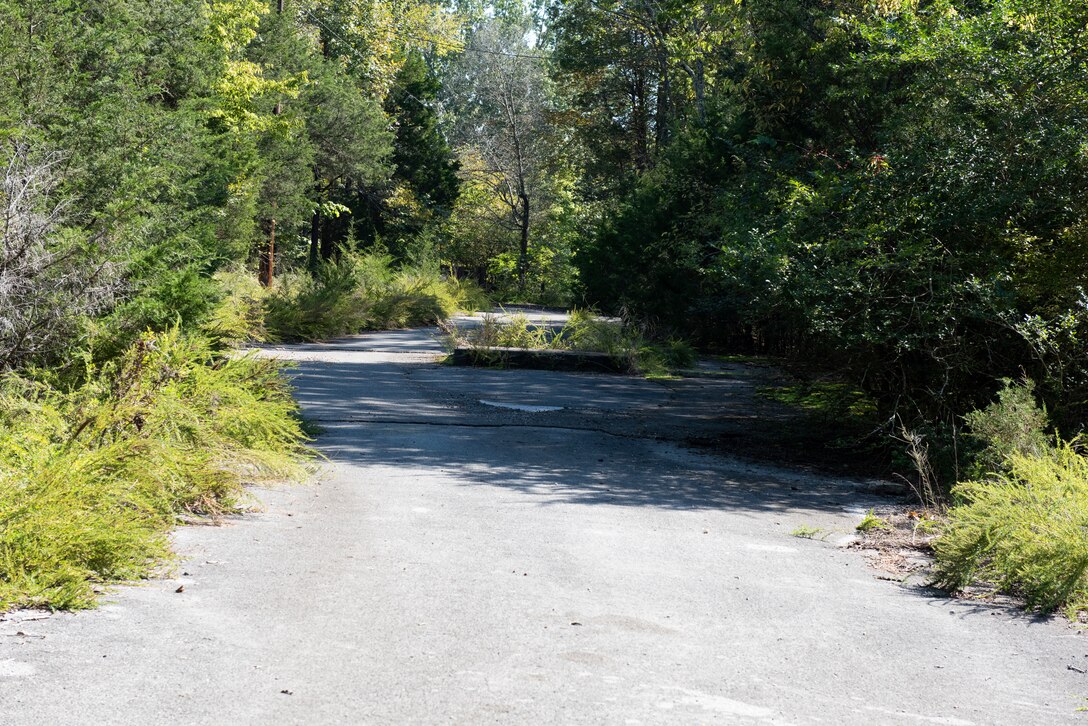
(721,704)
(769,548)
(15,669)
(521,407)
(943,720)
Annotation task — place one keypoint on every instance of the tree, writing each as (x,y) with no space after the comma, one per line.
(502,100)
(422,155)
(50,278)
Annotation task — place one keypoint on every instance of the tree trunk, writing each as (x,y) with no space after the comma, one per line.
(641,122)
(523,257)
(328,243)
(315,240)
(699,81)
(268,259)
(664,101)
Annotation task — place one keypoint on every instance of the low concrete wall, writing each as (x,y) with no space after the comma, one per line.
(538,359)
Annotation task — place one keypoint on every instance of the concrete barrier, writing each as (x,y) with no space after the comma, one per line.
(537,359)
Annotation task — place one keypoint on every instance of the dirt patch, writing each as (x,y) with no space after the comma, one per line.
(898,543)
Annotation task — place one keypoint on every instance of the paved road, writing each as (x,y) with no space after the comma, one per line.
(459,562)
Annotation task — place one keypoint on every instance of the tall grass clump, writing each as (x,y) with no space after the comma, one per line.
(93,478)
(1024,530)
(365,292)
(583,331)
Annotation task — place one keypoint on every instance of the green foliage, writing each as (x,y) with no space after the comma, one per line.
(586,332)
(239,316)
(1013,424)
(471,298)
(422,156)
(184,136)
(92,479)
(827,402)
(364,292)
(1024,531)
(868,186)
(871,522)
(806,531)
(314,307)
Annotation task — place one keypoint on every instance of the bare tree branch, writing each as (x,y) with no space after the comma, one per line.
(47,281)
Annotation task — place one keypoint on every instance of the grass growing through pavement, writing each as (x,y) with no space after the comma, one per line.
(583,331)
(872,522)
(826,401)
(93,479)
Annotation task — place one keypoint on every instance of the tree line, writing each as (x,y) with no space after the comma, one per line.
(892,188)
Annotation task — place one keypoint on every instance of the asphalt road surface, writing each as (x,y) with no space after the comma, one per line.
(461,561)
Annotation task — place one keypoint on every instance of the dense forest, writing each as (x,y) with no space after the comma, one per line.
(894,189)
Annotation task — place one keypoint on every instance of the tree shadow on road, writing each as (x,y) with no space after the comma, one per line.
(617,440)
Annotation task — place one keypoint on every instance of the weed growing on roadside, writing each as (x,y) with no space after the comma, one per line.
(806,532)
(92,479)
(871,522)
(1023,530)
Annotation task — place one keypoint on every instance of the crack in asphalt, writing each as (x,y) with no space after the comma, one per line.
(453,424)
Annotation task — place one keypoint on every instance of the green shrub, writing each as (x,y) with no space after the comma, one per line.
(92,479)
(469,295)
(411,298)
(515,331)
(623,340)
(239,316)
(1025,531)
(316,307)
(1013,424)
(364,292)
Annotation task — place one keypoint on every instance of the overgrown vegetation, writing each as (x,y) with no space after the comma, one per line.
(892,191)
(93,477)
(861,185)
(364,292)
(1023,530)
(1021,523)
(583,331)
